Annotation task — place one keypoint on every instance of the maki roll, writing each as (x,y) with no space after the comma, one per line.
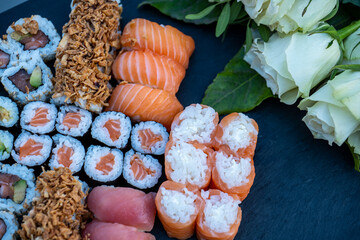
(112,128)
(141,171)
(31,149)
(34,34)
(149,137)
(28,81)
(6,144)
(8,56)
(196,123)
(17,188)
(38,117)
(103,164)
(9,113)
(8,225)
(68,152)
(73,121)
(178,206)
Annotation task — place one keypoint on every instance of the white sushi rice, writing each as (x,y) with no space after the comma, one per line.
(148,162)
(13,51)
(41,93)
(179,206)
(196,124)
(48,52)
(232,171)
(29,112)
(11,225)
(220,211)
(7,139)
(9,112)
(84,125)
(188,164)
(77,158)
(32,160)
(237,133)
(158,130)
(25,174)
(93,157)
(101,133)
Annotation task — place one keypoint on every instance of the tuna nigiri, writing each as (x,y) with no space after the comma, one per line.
(142,103)
(150,69)
(123,205)
(178,206)
(97,230)
(164,40)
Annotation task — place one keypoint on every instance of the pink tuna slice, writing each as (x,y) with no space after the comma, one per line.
(122,205)
(97,230)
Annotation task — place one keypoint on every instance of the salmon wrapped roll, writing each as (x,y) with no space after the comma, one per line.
(237,135)
(178,206)
(188,163)
(163,40)
(150,69)
(219,217)
(233,175)
(196,123)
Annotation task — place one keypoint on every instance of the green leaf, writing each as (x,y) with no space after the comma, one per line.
(179,9)
(235,10)
(265,32)
(248,37)
(201,14)
(355,2)
(223,20)
(356,158)
(353,67)
(237,89)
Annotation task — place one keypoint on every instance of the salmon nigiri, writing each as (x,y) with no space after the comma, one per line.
(149,69)
(178,206)
(164,40)
(142,103)
(219,217)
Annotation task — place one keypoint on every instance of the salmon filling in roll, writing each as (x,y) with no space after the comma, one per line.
(73,121)
(196,123)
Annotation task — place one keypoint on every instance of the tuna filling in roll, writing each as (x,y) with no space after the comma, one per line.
(12,187)
(4,59)
(26,82)
(2,228)
(31,41)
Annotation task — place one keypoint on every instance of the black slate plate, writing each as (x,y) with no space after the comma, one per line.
(304,189)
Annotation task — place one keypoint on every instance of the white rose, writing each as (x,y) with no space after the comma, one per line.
(293,65)
(333,111)
(352,48)
(289,15)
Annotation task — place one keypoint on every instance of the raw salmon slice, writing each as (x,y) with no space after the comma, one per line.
(40,117)
(64,154)
(142,103)
(148,138)
(163,40)
(106,163)
(178,220)
(149,69)
(139,169)
(30,148)
(97,230)
(122,205)
(72,120)
(114,129)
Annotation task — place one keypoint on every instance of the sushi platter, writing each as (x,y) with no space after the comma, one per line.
(108,137)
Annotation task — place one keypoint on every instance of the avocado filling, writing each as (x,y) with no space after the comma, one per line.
(2,148)
(4,114)
(31,41)
(35,78)
(21,80)
(4,59)
(12,187)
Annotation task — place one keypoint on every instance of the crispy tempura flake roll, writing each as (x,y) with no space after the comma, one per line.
(85,54)
(196,123)
(9,113)
(6,144)
(149,137)
(31,149)
(178,206)
(237,134)
(38,117)
(141,171)
(103,164)
(112,128)
(219,217)
(73,121)
(164,40)
(233,174)
(188,163)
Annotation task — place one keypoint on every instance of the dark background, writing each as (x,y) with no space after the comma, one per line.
(304,188)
